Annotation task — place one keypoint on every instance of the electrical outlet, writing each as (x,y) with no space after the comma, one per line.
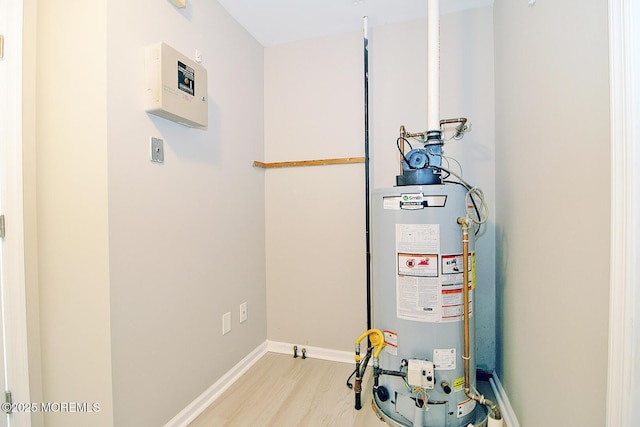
(226,323)
(243,312)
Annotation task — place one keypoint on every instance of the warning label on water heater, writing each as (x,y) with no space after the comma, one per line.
(466,407)
(428,283)
(391,342)
(423,265)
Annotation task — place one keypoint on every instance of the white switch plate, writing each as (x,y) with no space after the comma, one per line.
(226,323)
(243,312)
(157,150)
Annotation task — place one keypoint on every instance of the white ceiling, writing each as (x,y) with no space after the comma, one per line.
(274,22)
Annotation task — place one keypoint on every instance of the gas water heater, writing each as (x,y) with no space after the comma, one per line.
(417,285)
(421,344)
(421,266)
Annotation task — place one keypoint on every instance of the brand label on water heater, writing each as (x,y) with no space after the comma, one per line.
(412,201)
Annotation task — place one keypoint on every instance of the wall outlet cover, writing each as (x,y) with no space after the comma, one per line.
(157,150)
(226,323)
(243,312)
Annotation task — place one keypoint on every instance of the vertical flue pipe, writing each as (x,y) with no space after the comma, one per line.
(433,65)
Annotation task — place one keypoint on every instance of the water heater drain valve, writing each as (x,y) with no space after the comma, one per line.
(420,374)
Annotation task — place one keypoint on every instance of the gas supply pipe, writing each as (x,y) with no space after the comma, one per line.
(376,338)
(495,416)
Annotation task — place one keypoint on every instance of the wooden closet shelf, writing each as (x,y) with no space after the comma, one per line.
(338,161)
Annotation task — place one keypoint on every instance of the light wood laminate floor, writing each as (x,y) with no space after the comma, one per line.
(282,391)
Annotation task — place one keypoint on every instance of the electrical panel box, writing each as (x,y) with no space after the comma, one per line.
(420,374)
(176,86)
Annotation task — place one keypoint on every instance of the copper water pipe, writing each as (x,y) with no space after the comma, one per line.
(497,415)
(403,133)
(461,120)
(464,222)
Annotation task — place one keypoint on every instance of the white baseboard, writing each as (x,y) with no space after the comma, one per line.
(312,352)
(508,414)
(202,402)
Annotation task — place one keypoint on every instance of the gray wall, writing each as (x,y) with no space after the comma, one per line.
(186,238)
(553,199)
(137,261)
(315,215)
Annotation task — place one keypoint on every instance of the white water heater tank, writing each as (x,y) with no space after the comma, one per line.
(417,280)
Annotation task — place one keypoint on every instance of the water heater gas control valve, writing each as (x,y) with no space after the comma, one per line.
(420,373)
